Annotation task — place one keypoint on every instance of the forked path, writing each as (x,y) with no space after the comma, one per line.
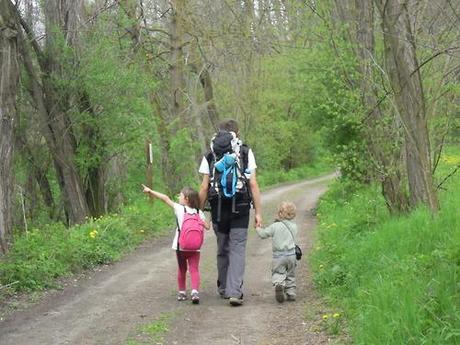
(109,306)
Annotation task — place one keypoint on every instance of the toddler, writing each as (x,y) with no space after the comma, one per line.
(283,233)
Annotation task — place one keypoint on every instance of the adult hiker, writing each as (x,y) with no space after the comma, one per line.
(230,185)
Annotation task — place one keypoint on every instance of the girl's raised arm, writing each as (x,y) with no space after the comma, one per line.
(163,197)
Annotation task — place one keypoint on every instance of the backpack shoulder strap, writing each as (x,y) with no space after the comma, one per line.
(211,158)
(179,228)
(244,156)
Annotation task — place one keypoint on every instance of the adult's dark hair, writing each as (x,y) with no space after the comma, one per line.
(229,125)
(192,197)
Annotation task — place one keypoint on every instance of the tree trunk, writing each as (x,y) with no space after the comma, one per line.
(378,131)
(52,102)
(95,179)
(177,63)
(404,74)
(37,173)
(9,79)
(63,18)
(201,69)
(206,83)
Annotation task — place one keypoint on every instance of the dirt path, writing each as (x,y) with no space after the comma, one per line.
(109,305)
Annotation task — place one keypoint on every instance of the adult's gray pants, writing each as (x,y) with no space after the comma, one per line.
(231,258)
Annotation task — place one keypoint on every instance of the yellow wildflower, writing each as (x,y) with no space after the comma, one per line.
(325,317)
(336,315)
(141,231)
(93,234)
(451,159)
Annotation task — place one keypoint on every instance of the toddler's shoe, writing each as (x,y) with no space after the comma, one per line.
(279,293)
(290,298)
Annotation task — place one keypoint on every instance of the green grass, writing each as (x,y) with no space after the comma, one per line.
(395,278)
(40,256)
(153,332)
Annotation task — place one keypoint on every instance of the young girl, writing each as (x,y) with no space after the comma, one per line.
(188,202)
(283,232)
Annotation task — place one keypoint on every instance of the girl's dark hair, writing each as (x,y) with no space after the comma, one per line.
(192,197)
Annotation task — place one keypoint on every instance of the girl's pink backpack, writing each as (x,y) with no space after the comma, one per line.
(191,233)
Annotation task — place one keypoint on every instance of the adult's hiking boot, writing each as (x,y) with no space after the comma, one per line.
(279,293)
(236,301)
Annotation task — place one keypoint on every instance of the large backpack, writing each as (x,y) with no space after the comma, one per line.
(191,232)
(228,163)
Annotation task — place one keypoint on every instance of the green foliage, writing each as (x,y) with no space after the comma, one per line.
(396,278)
(38,257)
(282,135)
(182,151)
(335,112)
(304,106)
(121,117)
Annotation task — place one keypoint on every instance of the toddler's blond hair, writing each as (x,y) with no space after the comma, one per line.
(286,210)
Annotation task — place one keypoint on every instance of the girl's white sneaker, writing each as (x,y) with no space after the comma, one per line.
(195,297)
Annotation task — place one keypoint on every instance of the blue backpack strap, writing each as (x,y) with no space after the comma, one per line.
(223,181)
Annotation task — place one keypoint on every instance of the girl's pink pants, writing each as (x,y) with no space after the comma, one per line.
(192,260)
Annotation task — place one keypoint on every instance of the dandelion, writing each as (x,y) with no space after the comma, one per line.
(451,159)
(336,315)
(325,317)
(93,234)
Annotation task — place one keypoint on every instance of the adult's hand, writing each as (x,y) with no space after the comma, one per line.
(258,220)
(256,199)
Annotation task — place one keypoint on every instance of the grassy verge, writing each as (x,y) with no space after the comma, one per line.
(40,256)
(394,279)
